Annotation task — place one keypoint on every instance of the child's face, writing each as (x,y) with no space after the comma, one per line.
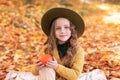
(62,30)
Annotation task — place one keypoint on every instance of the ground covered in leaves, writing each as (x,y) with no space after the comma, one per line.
(21,36)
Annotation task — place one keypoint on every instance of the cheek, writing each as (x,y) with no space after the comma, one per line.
(56,33)
(69,32)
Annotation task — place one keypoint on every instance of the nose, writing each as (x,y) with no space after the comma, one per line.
(62,30)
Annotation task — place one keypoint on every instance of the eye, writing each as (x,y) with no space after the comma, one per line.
(67,27)
(57,28)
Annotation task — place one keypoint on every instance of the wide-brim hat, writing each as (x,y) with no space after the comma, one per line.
(54,13)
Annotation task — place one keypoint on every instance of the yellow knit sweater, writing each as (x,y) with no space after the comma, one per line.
(67,73)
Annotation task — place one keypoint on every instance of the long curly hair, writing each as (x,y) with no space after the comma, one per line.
(72,49)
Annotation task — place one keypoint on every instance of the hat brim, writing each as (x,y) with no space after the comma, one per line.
(54,13)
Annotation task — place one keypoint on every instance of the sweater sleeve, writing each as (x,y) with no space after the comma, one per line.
(34,70)
(77,66)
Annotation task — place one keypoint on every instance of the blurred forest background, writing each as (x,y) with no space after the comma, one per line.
(21,37)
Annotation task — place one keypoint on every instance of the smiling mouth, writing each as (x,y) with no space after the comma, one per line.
(63,35)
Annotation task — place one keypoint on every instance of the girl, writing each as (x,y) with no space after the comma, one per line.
(63,27)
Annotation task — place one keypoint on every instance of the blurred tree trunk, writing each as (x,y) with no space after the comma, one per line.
(114,1)
(30,1)
(63,1)
(87,1)
(66,2)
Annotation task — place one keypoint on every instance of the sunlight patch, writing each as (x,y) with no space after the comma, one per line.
(114,17)
(104,7)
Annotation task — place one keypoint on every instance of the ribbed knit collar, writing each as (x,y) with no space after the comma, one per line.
(62,49)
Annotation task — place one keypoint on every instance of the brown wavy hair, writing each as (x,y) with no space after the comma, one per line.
(52,41)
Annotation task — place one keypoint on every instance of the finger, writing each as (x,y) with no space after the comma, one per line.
(54,58)
(37,61)
(48,65)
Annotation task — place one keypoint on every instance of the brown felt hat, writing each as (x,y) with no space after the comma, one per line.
(54,13)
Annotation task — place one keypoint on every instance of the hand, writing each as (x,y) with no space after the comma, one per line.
(52,64)
(39,65)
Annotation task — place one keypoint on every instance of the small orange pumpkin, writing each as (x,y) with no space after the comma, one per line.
(45,58)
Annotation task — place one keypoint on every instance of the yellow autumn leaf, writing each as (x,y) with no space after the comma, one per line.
(118,36)
(17,55)
(0,17)
(23,69)
(4,22)
(33,38)
(26,68)
(106,57)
